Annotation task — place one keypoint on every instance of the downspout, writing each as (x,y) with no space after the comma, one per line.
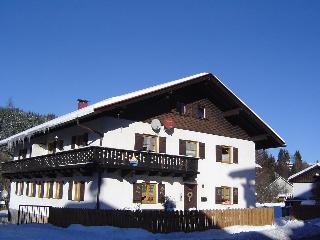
(91,130)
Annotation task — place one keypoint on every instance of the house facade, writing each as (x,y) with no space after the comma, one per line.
(282,188)
(306,183)
(187,144)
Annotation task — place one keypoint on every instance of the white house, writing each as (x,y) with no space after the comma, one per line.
(191,142)
(306,183)
(281,187)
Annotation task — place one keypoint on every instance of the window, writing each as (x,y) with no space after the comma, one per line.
(79,141)
(148,193)
(191,148)
(181,108)
(19,188)
(22,153)
(55,146)
(58,190)
(226,195)
(76,191)
(201,113)
(226,154)
(149,143)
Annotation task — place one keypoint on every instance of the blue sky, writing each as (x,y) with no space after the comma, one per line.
(267,52)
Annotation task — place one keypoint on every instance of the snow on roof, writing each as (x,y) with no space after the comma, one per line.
(45,127)
(303,171)
(90,109)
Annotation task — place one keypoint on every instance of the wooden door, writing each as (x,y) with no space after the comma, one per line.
(190,196)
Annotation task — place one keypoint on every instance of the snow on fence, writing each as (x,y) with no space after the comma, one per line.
(162,221)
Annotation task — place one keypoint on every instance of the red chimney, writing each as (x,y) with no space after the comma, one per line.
(82,103)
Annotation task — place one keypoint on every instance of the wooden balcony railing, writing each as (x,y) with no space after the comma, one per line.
(105,158)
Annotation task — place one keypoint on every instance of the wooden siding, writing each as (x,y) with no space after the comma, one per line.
(308,176)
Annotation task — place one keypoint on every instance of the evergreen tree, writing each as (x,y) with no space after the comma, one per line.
(282,166)
(298,164)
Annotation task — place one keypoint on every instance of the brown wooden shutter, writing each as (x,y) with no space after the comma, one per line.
(138,142)
(42,190)
(137,192)
(162,145)
(235,155)
(85,139)
(34,188)
(235,195)
(50,185)
(218,195)
(70,190)
(17,188)
(182,147)
(73,142)
(161,193)
(27,189)
(202,150)
(218,153)
(82,189)
(195,110)
(60,145)
(61,190)
(22,188)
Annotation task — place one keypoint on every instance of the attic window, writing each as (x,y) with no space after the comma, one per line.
(181,108)
(201,113)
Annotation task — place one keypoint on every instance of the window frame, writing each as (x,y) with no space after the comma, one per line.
(201,112)
(146,186)
(230,149)
(156,142)
(196,149)
(223,195)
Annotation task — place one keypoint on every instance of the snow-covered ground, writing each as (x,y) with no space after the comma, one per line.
(285,230)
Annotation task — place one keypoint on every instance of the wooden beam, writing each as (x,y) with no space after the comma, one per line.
(258,138)
(232,112)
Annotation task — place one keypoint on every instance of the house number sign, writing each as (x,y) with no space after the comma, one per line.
(189,195)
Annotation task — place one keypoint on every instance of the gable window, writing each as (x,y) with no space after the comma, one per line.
(76,191)
(149,143)
(22,153)
(181,108)
(226,154)
(191,148)
(146,193)
(79,141)
(201,113)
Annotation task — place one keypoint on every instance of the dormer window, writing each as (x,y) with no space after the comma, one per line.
(201,113)
(181,108)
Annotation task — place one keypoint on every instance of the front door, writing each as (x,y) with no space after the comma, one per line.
(190,196)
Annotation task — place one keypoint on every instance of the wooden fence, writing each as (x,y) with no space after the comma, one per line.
(162,221)
(303,212)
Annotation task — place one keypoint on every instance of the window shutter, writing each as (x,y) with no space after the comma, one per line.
(138,142)
(235,155)
(70,190)
(202,150)
(61,190)
(60,145)
(17,183)
(218,195)
(137,192)
(182,147)
(161,193)
(85,139)
(162,145)
(42,189)
(34,187)
(195,110)
(73,142)
(27,189)
(235,195)
(50,185)
(82,188)
(22,188)
(218,153)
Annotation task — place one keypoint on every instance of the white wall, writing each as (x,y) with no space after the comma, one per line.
(303,190)
(119,133)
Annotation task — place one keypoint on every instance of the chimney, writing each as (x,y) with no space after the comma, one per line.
(82,103)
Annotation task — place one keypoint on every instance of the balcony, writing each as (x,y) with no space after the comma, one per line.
(90,159)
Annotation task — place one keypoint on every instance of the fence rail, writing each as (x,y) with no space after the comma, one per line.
(162,221)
